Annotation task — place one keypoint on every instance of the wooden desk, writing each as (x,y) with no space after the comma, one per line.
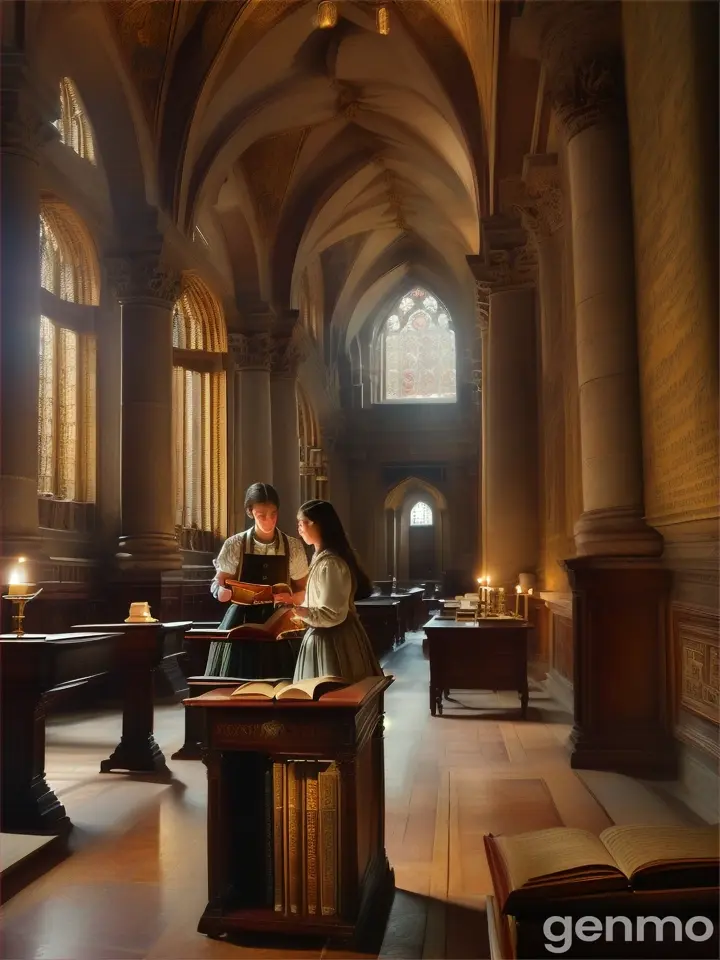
(142,649)
(296,814)
(381,620)
(482,655)
(31,667)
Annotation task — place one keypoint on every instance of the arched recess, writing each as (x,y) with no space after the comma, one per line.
(199,417)
(424,559)
(76,41)
(70,290)
(313,467)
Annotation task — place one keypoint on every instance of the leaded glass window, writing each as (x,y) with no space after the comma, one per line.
(67,360)
(418,345)
(74,126)
(199,417)
(421,515)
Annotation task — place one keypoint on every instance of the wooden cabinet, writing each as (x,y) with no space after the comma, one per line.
(296,814)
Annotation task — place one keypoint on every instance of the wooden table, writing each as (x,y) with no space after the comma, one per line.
(142,649)
(480,655)
(296,814)
(31,668)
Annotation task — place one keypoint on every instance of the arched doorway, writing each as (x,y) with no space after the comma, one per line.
(416,535)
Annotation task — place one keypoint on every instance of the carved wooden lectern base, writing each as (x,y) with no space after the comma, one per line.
(296,815)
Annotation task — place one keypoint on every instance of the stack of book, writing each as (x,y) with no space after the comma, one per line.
(567,891)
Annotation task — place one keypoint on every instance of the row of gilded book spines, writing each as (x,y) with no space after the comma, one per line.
(306,838)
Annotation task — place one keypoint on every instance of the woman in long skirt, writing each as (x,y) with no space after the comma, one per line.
(263,555)
(336,643)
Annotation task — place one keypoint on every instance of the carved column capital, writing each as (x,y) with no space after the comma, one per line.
(251,351)
(289,349)
(589,93)
(506,270)
(143,278)
(536,197)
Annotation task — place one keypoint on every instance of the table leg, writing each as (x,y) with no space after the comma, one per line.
(27,802)
(138,750)
(524,699)
(433,700)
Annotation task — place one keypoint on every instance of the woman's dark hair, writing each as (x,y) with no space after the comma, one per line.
(259,493)
(333,537)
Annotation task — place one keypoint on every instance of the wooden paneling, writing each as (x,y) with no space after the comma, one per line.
(696,676)
(562,646)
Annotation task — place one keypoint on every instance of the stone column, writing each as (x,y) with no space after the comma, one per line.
(286,357)
(146,289)
(252,354)
(510,503)
(23,132)
(589,99)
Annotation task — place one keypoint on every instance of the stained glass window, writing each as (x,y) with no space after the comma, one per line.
(74,126)
(199,417)
(418,349)
(67,364)
(421,515)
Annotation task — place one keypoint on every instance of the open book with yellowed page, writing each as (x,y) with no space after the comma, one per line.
(567,862)
(311,689)
(246,594)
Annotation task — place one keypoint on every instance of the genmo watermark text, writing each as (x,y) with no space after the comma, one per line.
(559,932)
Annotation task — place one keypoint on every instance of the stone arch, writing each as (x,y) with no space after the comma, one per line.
(399,502)
(77,43)
(198,320)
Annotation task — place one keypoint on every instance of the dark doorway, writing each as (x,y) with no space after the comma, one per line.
(421,553)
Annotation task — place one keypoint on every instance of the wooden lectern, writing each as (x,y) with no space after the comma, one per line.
(296,814)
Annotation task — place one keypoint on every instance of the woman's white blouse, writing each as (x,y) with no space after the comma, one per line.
(329,589)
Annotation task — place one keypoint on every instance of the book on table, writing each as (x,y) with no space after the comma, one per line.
(246,594)
(280,689)
(278,624)
(564,862)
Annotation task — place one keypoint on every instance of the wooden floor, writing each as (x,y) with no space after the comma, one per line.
(135,884)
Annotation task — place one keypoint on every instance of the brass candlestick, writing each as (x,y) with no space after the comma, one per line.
(18,601)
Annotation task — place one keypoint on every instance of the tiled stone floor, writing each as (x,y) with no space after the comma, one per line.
(135,885)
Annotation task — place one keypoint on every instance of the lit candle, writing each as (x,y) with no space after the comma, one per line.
(518,591)
(16,588)
(525,598)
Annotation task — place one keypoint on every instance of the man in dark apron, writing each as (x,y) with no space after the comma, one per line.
(254,659)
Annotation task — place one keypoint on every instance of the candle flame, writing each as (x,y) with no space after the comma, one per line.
(518,588)
(21,559)
(530,592)
(14,577)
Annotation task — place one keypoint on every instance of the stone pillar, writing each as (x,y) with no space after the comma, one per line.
(589,99)
(620,591)
(510,502)
(286,357)
(252,354)
(146,289)
(23,132)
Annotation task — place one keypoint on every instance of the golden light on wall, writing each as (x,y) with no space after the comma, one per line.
(327,15)
(383,21)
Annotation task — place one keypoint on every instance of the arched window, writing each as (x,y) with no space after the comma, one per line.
(74,126)
(418,350)
(313,467)
(421,515)
(199,417)
(66,410)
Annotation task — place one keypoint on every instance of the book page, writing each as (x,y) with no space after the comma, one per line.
(260,688)
(635,847)
(557,850)
(305,689)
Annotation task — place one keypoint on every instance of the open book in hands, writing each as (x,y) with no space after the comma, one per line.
(249,593)
(280,623)
(311,689)
(567,862)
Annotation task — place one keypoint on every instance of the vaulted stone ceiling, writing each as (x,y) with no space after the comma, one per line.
(341,154)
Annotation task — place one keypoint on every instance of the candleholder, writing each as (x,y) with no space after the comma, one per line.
(19,601)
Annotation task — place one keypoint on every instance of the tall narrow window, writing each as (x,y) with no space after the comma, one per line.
(74,126)
(417,347)
(199,417)
(421,515)
(67,392)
